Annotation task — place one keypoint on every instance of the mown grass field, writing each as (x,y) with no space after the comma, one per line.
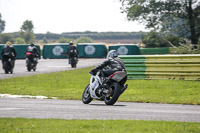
(70,85)
(20,125)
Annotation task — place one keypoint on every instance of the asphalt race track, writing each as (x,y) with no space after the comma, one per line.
(47,66)
(74,109)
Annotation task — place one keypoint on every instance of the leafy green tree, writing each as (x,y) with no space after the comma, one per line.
(27,32)
(29,37)
(179,16)
(187,48)
(27,26)
(84,40)
(151,40)
(19,41)
(2,24)
(155,39)
(4,37)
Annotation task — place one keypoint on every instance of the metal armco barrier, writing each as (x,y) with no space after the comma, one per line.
(181,67)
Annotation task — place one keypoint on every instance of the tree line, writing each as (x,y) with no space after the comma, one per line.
(92,35)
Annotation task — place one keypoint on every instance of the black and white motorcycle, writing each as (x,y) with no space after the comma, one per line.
(97,90)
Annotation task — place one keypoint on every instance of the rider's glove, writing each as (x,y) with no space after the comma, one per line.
(93,72)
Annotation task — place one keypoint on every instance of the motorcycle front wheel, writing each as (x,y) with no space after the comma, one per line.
(86,98)
(114,93)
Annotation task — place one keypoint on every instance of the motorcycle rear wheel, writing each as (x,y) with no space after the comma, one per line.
(115,91)
(29,65)
(73,63)
(86,98)
(34,67)
(11,71)
(6,67)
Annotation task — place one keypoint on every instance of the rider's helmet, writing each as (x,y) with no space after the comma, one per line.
(8,43)
(112,54)
(70,43)
(32,44)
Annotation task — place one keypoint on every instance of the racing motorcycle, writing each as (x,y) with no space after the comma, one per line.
(73,60)
(31,61)
(8,64)
(97,90)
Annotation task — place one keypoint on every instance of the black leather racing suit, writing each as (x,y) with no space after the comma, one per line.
(72,52)
(115,64)
(10,51)
(33,50)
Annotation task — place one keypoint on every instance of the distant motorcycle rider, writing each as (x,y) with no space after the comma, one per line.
(114,64)
(33,50)
(72,51)
(9,50)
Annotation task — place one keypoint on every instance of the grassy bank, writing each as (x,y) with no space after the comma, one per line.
(70,85)
(94,126)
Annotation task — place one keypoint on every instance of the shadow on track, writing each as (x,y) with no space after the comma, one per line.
(105,105)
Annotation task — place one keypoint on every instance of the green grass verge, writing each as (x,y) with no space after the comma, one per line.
(9,125)
(70,85)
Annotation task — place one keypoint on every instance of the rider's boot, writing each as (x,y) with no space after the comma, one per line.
(124,88)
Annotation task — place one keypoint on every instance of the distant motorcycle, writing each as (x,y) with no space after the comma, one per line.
(73,61)
(96,90)
(31,61)
(8,64)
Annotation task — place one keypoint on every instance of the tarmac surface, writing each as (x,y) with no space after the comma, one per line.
(75,109)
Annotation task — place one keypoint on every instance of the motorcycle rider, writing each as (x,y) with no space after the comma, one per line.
(10,51)
(31,48)
(72,51)
(115,64)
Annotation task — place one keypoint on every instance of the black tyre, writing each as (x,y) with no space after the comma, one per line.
(115,91)
(6,67)
(34,68)
(74,66)
(86,98)
(11,71)
(29,65)
(73,63)
(6,71)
